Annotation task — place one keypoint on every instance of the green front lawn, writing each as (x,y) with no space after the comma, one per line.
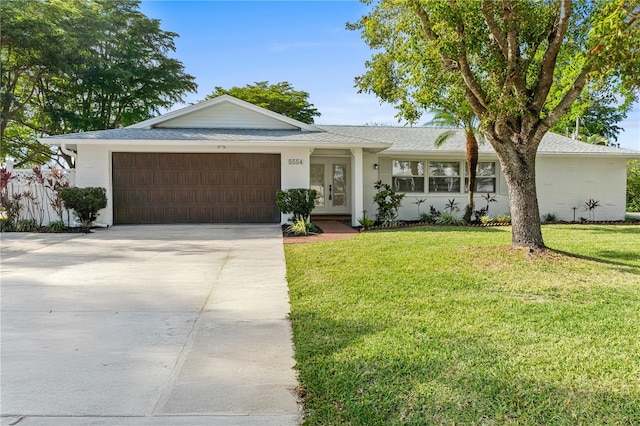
(453,326)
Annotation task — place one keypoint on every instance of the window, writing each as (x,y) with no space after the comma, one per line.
(444,176)
(485,177)
(408,176)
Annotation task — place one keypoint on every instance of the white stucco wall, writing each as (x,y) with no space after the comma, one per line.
(409,210)
(93,168)
(295,172)
(565,182)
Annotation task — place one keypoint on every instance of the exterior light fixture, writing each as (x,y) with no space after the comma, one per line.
(376,167)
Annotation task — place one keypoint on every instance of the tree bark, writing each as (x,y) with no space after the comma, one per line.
(520,172)
(472,161)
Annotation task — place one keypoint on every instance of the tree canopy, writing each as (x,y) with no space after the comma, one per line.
(520,65)
(279,97)
(597,113)
(77,65)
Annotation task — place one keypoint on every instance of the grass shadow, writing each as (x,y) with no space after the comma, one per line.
(442,228)
(608,257)
(615,229)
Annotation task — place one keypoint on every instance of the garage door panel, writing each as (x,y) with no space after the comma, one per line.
(165,178)
(195,188)
(145,161)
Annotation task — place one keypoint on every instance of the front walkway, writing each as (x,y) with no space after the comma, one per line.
(331,231)
(147,325)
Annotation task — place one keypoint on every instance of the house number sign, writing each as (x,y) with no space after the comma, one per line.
(295,161)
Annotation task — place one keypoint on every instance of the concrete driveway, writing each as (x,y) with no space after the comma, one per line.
(147,325)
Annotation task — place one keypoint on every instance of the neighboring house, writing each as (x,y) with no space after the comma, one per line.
(222,161)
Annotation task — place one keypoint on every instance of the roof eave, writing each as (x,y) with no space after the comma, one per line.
(370,147)
(624,154)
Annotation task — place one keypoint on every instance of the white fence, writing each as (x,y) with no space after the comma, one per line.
(33,193)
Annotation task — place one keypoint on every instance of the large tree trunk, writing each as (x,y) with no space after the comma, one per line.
(520,172)
(472,161)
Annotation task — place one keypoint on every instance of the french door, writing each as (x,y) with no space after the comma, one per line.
(330,179)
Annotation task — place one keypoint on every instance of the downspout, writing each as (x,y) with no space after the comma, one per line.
(67,151)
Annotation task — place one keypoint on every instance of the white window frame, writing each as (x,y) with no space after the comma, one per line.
(459,177)
(494,177)
(463,176)
(398,178)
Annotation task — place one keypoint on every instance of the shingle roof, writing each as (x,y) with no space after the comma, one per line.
(398,140)
(421,139)
(220,135)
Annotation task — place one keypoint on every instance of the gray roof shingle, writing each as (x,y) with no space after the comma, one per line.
(398,140)
(421,139)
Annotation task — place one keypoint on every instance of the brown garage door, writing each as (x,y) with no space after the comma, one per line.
(195,188)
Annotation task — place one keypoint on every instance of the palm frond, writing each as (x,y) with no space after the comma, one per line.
(444,137)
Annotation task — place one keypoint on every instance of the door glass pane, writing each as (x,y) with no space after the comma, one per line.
(317,183)
(339,185)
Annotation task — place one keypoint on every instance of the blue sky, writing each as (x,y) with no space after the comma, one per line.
(234,43)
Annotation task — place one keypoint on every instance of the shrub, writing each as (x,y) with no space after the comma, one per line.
(479,214)
(85,202)
(56,226)
(434,212)
(633,186)
(589,206)
(298,201)
(549,217)
(27,225)
(388,202)
(298,227)
(502,219)
(427,218)
(6,225)
(449,219)
(313,229)
(366,222)
(452,206)
(489,198)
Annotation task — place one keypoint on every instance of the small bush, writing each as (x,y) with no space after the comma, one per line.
(549,218)
(29,225)
(479,214)
(427,218)
(633,186)
(502,219)
(449,219)
(313,229)
(366,222)
(589,206)
(57,226)
(298,201)
(388,202)
(452,206)
(85,202)
(300,227)
(6,225)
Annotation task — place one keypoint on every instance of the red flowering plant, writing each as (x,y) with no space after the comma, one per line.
(9,207)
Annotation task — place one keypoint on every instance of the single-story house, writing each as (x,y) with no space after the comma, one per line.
(222,161)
